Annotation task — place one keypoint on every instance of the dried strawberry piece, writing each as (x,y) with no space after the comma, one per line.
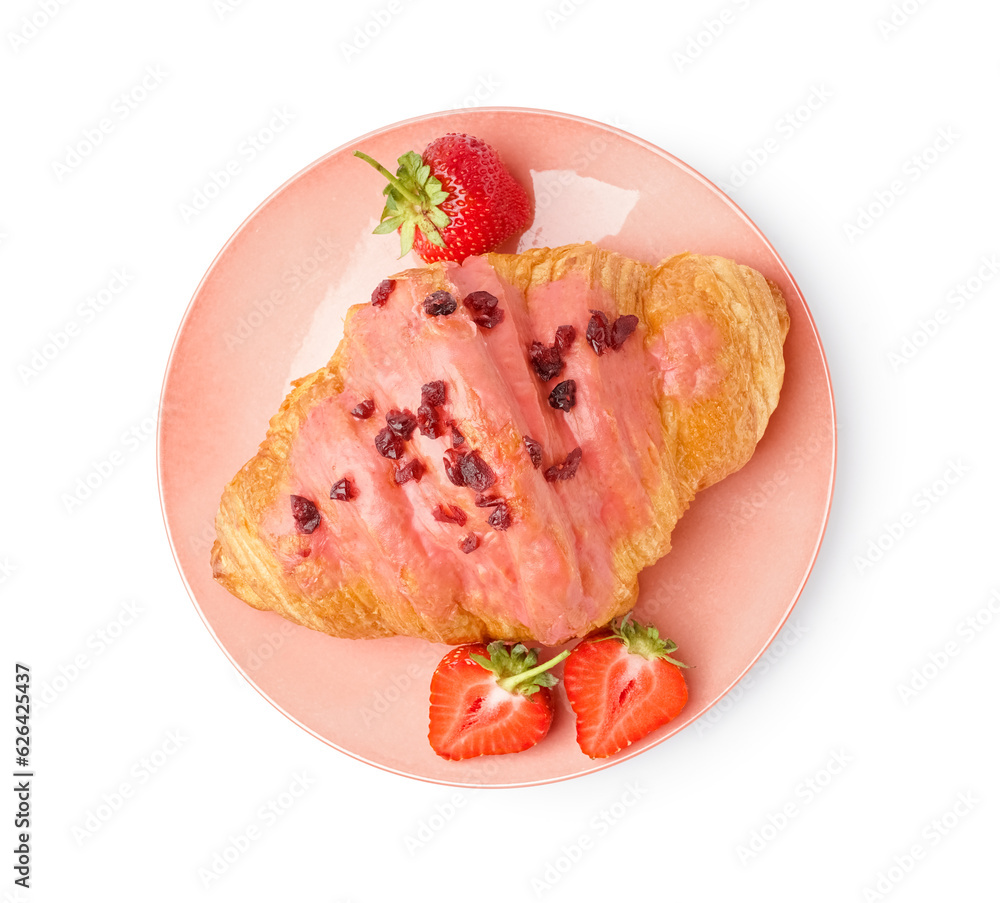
(603,336)
(413,470)
(428,421)
(565,336)
(434,393)
(402,423)
(456,437)
(453,466)
(342,490)
(470,543)
(382,291)
(450,514)
(599,332)
(364,409)
(546,360)
(567,469)
(623,328)
(482,307)
(488,501)
(388,444)
(534,451)
(501,518)
(478,475)
(563,396)
(305,513)
(440,304)
(468,469)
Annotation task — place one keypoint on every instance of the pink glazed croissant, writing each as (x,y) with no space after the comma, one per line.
(498,448)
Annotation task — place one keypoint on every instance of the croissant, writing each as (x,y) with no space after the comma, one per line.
(497,448)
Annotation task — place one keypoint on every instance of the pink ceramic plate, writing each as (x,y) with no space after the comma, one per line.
(271,309)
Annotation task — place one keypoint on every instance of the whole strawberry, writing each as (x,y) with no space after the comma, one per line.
(455,200)
(490,700)
(622,685)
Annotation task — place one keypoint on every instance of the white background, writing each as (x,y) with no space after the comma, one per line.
(831,773)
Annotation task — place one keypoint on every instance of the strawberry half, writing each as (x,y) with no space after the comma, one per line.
(490,700)
(455,200)
(622,685)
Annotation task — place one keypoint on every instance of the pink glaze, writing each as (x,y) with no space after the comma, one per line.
(686,352)
(551,569)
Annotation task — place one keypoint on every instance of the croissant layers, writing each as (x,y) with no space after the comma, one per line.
(498,448)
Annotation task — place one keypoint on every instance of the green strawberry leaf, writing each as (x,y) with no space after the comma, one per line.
(413,201)
(516,667)
(645,640)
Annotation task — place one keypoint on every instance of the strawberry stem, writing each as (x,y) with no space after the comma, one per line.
(645,640)
(515,668)
(515,680)
(413,200)
(396,183)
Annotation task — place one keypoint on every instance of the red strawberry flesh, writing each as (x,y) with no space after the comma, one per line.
(476,711)
(620,696)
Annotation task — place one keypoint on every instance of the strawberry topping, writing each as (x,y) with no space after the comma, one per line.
(412,470)
(382,291)
(567,469)
(433,393)
(563,396)
(546,360)
(603,336)
(364,409)
(388,444)
(450,514)
(343,490)
(305,513)
(534,451)
(501,518)
(402,423)
(482,307)
(470,543)
(440,304)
